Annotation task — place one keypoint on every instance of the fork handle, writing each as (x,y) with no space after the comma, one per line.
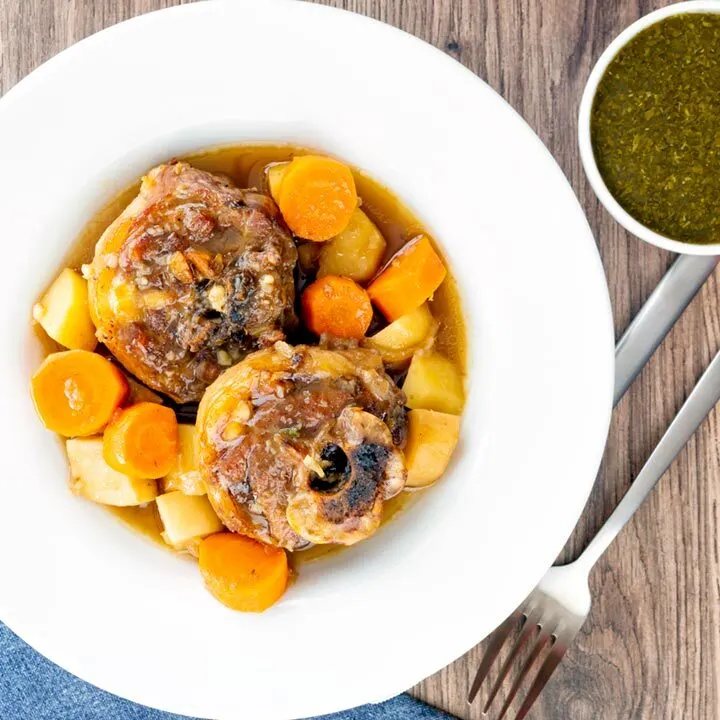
(696,408)
(667,302)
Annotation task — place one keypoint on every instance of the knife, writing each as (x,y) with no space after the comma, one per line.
(660,312)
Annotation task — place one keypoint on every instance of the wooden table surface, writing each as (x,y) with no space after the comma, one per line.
(651,647)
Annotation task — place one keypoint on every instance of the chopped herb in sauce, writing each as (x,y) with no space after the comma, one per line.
(291,432)
(656,127)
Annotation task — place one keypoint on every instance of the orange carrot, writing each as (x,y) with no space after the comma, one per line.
(411,277)
(242,573)
(76,392)
(337,306)
(317,196)
(142,441)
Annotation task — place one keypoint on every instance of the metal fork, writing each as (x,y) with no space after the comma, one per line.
(555,611)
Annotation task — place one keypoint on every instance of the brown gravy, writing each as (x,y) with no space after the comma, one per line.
(244,165)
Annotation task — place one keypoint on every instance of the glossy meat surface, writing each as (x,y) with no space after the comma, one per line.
(193,275)
(302,445)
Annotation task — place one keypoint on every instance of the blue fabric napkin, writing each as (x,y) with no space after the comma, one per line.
(33,688)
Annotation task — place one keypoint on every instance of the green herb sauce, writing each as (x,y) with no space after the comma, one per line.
(656,127)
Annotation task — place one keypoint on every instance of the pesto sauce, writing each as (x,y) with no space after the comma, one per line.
(655,127)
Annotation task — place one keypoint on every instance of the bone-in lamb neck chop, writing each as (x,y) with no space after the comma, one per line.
(302,445)
(193,275)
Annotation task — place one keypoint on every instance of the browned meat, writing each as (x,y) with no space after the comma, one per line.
(192,276)
(301,445)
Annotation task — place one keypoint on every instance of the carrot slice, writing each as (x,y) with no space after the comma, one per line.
(142,441)
(243,573)
(76,392)
(413,274)
(337,306)
(317,196)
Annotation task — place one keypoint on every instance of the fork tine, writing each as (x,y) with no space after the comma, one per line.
(547,669)
(529,627)
(540,643)
(497,642)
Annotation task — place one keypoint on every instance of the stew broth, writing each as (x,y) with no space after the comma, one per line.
(244,165)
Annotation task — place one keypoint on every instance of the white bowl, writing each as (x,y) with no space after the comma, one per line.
(369,622)
(584,136)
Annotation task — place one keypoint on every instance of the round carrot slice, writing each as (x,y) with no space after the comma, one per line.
(337,306)
(242,573)
(76,392)
(142,441)
(317,196)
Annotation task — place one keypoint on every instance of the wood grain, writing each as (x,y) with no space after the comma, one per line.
(651,648)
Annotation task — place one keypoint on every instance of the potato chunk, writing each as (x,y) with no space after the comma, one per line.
(356,252)
(63,312)
(432,437)
(185,476)
(397,342)
(185,517)
(434,383)
(405,332)
(275,174)
(191,547)
(95,480)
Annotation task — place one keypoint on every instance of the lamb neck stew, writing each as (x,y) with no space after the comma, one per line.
(256,353)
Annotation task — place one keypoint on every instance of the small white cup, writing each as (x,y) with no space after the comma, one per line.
(584,140)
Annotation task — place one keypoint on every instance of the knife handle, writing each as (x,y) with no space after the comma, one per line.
(661,311)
